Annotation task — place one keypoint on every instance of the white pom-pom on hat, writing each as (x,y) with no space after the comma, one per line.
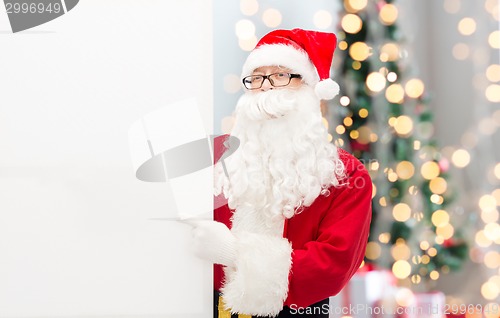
(308,53)
(327,89)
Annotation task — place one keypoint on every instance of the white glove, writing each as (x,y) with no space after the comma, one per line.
(213,241)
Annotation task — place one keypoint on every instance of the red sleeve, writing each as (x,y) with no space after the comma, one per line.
(324,266)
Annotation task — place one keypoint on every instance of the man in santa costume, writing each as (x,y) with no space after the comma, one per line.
(295,227)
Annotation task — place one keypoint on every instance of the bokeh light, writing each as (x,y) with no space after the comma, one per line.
(249,7)
(494,39)
(359,51)
(248,44)
(392,77)
(356,5)
(400,251)
(460,158)
(354,134)
(481,239)
(432,252)
(493,93)
(492,259)
(403,125)
(392,176)
(401,212)
(487,203)
(430,170)
(438,185)
(414,88)
(395,93)
(434,275)
(401,269)
(424,245)
(452,6)
(491,5)
(271,18)
(245,29)
(344,100)
(416,259)
(492,231)
(389,52)
(388,14)
(364,133)
(467,26)
(496,195)
(445,231)
(384,237)
(232,83)
(440,218)
(416,279)
(489,290)
(340,129)
(351,23)
(493,73)
(405,170)
(436,199)
(373,250)
(375,82)
(343,45)
(461,51)
(489,216)
(322,19)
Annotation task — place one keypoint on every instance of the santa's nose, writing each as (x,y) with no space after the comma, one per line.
(266,85)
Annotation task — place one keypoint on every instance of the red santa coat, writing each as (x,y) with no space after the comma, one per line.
(327,244)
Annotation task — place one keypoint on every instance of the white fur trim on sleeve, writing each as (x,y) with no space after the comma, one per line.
(258,284)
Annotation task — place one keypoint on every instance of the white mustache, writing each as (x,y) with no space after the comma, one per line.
(267,105)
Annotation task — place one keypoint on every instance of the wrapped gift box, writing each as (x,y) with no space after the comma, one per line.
(366,295)
(427,305)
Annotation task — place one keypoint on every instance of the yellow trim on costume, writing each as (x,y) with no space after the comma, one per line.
(224,313)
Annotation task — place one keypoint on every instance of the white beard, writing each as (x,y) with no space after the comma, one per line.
(284,161)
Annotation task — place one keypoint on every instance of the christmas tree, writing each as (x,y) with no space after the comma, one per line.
(388,125)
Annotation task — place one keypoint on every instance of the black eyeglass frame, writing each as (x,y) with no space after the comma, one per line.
(264,77)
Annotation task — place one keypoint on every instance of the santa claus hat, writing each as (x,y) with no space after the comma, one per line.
(308,53)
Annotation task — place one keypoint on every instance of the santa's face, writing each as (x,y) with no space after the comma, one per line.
(284,160)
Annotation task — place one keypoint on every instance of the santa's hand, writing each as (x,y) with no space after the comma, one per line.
(213,241)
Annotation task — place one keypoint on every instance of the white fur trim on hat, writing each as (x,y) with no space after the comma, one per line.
(281,55)
(258,283)
(327,89)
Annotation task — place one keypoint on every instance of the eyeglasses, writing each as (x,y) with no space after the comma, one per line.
(276,80)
